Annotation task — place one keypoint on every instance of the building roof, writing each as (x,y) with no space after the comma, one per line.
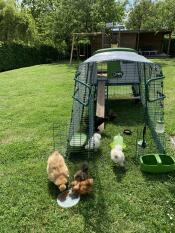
(121,31)
(141,31)
(115,49)
(117,55)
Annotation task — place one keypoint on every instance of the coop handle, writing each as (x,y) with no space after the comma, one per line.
(81,82)
(154,79)
(161,95)
(87,86)
(81,102)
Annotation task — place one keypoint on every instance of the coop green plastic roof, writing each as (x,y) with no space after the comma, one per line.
(120,55)
(114,49)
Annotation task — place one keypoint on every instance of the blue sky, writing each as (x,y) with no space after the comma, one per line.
(131,1)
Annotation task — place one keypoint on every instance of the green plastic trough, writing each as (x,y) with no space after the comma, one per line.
(78,140)
(157,163)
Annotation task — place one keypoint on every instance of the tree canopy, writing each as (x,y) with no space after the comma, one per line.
(52,22)
(56,20)
(152,15)
(15,24)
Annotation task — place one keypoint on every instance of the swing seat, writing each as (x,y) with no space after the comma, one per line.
(78,140)
(157,163)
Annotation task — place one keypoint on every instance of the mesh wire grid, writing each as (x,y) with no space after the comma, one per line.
(122,80)
(81,129)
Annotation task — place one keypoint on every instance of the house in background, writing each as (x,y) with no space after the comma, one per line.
(147,43)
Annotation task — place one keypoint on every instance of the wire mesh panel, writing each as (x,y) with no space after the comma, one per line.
(60,134)
(123,91)
(142,82)
(123,79)
(122,72)
(118,72)
(152,96)
(155,106)
(81,125)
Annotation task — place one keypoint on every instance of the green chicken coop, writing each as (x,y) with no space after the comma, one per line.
(124,72)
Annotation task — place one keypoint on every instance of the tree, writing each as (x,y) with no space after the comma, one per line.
(15,25)
(85,16)
(57,19)
(152,15)
(141,15)
(38,7)
(166,14)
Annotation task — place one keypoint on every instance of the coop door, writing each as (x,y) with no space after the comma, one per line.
(80,99)
(155,109)
(114,69)
(122,72)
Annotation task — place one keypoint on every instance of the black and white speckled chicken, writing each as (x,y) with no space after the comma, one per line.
(83,173)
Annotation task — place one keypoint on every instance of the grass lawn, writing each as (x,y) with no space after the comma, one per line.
(31,100)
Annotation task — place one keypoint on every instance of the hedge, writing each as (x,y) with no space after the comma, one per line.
(15,55)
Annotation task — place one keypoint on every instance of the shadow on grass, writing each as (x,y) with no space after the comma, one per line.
(53,190)
(82,156)
(164,177)
(119,172)
(128,112)
(131,114)
(93,207)
(172,188)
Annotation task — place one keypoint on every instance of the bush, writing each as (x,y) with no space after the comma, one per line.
(15,55)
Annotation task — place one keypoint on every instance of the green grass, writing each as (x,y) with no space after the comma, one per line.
(31,100)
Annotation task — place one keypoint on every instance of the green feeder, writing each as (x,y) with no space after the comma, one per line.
(157,163)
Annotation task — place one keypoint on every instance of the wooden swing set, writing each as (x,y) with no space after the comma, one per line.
(81,53)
